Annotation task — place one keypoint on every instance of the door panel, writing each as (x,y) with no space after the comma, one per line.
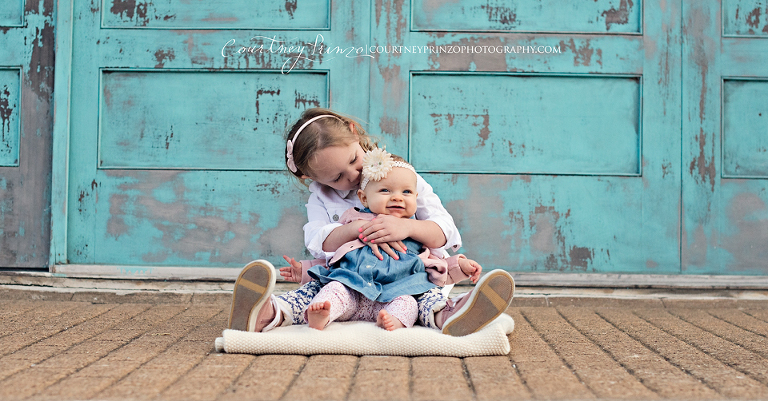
(526,16)
(221,14)
(10,123)
(534,124)
(26,124)
(551,136)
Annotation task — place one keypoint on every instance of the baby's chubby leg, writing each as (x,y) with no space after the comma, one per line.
(333,302)
(401,312)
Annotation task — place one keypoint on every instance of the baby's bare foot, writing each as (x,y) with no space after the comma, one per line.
(387,321)
(318,314)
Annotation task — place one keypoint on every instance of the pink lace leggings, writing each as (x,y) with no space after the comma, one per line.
(349,305)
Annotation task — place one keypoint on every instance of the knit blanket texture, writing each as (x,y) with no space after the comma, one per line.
(364,338)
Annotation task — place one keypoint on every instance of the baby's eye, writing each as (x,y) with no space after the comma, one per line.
(408,191)
(384,190)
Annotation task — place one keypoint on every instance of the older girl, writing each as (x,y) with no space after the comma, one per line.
(327,149)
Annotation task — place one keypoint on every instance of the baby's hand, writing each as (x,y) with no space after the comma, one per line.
(293,272)
(471,269)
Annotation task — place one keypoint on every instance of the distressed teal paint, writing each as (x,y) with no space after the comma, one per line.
(745,17)
(546,228)
(745,128)
(26,85)
(179,128)
(10,122)
(61,135)
(537,124)
(627,221)
(619,16)
(221,14)
(665,199)
(725,222)
(11,13)
(214,218)
(218,194)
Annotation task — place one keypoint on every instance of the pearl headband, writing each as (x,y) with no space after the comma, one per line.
(289,146)
(377,163)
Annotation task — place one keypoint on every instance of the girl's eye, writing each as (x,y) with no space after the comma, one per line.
(337,179)
(353,160)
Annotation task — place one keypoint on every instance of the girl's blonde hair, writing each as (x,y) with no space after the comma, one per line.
(320,134)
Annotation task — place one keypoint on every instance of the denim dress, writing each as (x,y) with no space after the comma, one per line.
(379,280)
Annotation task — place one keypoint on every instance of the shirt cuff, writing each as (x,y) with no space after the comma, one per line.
(315,246)
(448,232)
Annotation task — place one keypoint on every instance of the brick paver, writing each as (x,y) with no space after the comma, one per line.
(603,375)
(106,347)
(727,382)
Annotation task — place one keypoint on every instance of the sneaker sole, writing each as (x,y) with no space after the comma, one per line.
(490,298)
(253,287)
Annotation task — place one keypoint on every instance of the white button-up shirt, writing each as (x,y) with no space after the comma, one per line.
(326,205)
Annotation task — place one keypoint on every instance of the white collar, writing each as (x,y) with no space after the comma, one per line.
(328,190)
(344,194)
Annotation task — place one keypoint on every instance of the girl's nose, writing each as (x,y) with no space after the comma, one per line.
(353,175)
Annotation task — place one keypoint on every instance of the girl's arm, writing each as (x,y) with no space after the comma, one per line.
(389,228)
(341,235)
(351,231)
(324,234)
(322,204)
(433,227)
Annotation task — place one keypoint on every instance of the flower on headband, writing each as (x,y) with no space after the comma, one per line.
(376,164)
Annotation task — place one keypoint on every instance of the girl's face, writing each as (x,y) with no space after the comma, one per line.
(394,195)
(339,167)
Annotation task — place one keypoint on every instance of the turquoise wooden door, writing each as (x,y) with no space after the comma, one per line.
(549,129)
(177,111)
(725,138)
(26,123)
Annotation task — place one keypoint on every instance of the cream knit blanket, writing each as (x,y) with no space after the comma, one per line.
(364,338)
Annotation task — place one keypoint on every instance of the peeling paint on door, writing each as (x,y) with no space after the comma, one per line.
(26,124)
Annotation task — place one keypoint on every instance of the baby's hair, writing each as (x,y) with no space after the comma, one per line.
(320,134)
(397,158)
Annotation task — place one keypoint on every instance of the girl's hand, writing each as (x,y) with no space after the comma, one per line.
(385,228)
(293,272)
(471,269)
(388,248)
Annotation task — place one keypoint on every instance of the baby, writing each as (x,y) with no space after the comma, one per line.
(362,287)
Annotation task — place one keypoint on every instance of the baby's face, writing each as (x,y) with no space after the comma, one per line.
(394,195)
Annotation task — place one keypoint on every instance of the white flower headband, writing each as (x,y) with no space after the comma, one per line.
(289,146)
(377,163)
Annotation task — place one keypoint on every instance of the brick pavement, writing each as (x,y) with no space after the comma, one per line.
(100,346)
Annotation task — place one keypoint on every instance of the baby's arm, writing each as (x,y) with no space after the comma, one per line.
(452,270)
(297,271)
